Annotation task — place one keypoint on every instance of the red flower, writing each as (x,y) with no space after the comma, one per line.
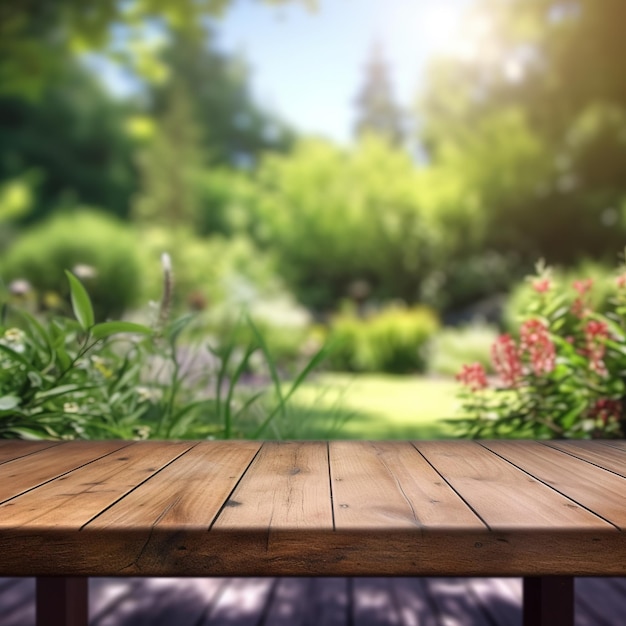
(474,376)
(621,280)
(605,409)
(595,332)
(578,308)
(535,340)
(583,286)
(542,285)
(506,360)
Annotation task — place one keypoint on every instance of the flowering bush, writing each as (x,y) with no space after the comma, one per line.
(564,376)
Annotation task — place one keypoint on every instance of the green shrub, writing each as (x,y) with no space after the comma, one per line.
(64,378)
(83,240)
(391,340)
(523,295)
(451,347)
(209,271)
(561,374)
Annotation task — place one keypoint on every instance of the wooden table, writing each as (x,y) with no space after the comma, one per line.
(544,511)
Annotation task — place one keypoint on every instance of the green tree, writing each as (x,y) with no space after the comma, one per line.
(557,64)
(69,148)
(170,166)
(37,38)
(235,130)
(335,217)
(377,111)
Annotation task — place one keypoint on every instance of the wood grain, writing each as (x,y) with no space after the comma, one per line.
(10,449)
(612,459)
(340,508)
(589,486)
(29,472)
(286,487)
(502,495)
(389,484)
(188,494)
(71,500)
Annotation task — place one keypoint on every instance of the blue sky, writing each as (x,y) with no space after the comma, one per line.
(309,66)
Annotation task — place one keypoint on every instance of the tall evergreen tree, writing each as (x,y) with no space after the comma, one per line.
(377,111)
(170,165)
(235,129)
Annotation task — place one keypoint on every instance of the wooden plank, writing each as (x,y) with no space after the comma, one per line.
(17,603)
(389,484)
(454,604)
(612,459)
(570,477)
(242,602)
(12,449)
(290,604)
(159,602)
(615,443)
(600,601)
(415,604)
(286,487)
(70,501)
(108,596)
(487,482)
(374,603)
(331,604)
(28,472)
(499,598)
(186,495)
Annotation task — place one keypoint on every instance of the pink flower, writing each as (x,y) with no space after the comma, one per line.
(583,286)
(595,332)
(605,409)
(506,360)
(542,285)
(535,340)
(474,376)
(621,280)
(579,309)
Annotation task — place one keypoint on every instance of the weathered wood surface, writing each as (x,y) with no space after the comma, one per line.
(314,601)
(339,508)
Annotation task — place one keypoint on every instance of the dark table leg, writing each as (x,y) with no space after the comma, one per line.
(62,601)
(549,600)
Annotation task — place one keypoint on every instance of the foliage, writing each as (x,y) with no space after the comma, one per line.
(376,110)
(523,294)
(391,340)
(65,378)
(235,130)
(217,273)
(451,347)
(336,217)
(36,40)
(565,377)
(169,165)
(94,244)
(70,148)
(560,160)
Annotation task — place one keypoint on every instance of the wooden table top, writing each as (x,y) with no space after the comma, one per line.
(340,508)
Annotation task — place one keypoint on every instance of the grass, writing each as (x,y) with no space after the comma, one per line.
(372,406)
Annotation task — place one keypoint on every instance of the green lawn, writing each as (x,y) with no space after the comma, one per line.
(373,406)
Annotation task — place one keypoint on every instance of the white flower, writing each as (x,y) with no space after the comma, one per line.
(13,338)
(70,407)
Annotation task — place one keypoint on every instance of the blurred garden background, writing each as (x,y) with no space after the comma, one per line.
(342,281)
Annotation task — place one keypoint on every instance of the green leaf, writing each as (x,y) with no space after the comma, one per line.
(8,402)
(61,390)
(100,331)
(81,303)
